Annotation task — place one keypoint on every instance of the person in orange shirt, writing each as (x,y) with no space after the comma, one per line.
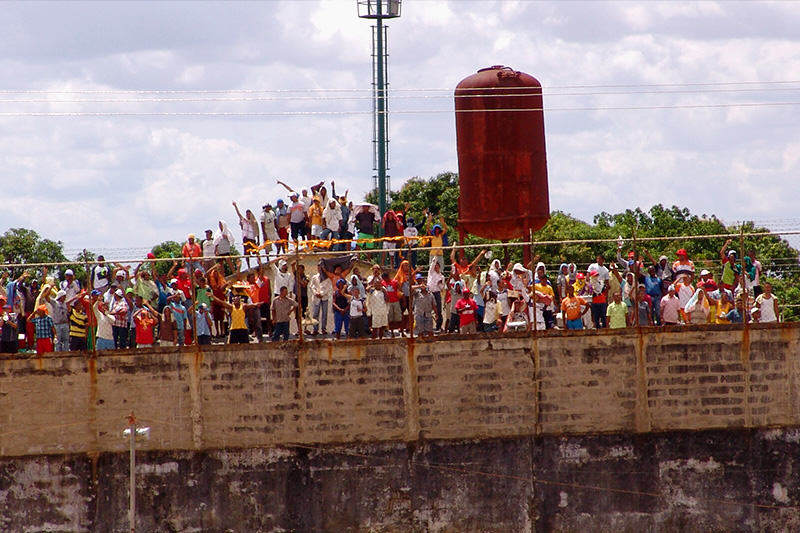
(573,309)
(193,253)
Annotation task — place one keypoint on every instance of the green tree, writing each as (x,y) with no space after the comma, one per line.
(164,250)
(21,245)
(439,194)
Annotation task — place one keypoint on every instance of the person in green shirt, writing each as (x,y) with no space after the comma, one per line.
(617,312)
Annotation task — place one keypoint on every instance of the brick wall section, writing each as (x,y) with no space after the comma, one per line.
(396,389)
(476,388)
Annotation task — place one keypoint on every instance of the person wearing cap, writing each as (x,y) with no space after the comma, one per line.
(207,245)
(282,214)
(438,234)
(573,308)
(100,275)
(662,266)
(118,308)
(45,330)
(70,285)
(315,218)
(77,308)
(598,281)
(282,276)
(652,284)
(731,269)
(9,328)
(60,316)
(192,253)
(670,308)
(269,227)
(297,218)
(424,308)
(706,281)
(684,265)
(203,320)
(393,294)
(466,309)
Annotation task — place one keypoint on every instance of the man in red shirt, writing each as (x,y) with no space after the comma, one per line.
(466,309)
(392,288)
(193,253)
(144,322)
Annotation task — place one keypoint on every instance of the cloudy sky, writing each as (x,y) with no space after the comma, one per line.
(271,70)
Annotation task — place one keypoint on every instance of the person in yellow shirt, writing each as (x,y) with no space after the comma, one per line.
(315,216)
(238,310)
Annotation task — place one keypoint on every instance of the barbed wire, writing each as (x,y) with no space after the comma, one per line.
(426,248)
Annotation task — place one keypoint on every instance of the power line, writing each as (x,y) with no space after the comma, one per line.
(408,89)
(394,112)
(369,97)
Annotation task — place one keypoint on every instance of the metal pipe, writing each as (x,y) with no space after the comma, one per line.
(381,108)
(132,502)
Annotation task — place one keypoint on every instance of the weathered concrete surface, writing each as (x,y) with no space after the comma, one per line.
(725,480)
(401,390)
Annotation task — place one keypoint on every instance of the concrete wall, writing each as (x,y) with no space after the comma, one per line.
(399,390)
(710,481)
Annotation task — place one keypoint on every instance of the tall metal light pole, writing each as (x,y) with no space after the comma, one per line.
(379,10)
(131,434)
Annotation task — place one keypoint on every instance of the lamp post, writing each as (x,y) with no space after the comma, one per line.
(132,433)
(379,10)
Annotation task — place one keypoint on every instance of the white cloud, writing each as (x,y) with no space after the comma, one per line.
(141,180)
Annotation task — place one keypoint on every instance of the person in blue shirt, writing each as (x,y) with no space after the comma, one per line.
(652,285)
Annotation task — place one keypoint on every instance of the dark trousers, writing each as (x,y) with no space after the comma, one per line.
(298,229)
(132,338)
(358,327)
(549,319)
(454,322)
(9,346)
(254,322)
(77,344)
(437,299)
(120,337)
(280,329)
(204,339)
(239,336)
(266,323)
(599,315)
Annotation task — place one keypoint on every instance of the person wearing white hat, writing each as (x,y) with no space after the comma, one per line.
(69,284)
(119,310)
(59,314)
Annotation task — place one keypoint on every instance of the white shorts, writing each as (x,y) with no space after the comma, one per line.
(316,230)
(389,245)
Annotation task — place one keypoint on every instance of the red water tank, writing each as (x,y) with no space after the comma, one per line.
(502,168)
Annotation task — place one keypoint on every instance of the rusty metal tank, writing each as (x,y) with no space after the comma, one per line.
(501,154)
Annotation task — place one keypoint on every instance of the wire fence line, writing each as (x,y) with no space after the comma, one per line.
(319,247)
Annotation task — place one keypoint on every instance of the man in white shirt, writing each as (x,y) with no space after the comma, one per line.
(331,217)
(599,267)
(283,278)
(209,249)
(321,290)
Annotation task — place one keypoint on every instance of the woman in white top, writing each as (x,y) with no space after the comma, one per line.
(767,305)
(378,309)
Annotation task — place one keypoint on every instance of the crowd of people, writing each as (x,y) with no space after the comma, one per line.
(195,301)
